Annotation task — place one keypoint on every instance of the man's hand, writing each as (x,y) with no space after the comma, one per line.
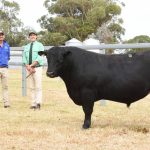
(30,69)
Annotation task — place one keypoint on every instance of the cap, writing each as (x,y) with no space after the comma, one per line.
(32,32)
(1,32)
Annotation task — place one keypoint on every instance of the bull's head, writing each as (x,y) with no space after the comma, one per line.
(55,59)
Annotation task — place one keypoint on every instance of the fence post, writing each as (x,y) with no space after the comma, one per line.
(24,83)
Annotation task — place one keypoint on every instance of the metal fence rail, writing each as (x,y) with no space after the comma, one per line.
(16,55)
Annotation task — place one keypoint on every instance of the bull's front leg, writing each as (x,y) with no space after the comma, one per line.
(88,109)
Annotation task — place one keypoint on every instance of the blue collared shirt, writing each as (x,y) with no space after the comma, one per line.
(4,54)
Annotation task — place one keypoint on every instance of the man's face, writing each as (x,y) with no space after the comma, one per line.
(2,36)
(32,37)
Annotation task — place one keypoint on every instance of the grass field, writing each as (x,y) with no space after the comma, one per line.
(57,126)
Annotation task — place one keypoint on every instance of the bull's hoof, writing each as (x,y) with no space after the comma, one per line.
(85,126)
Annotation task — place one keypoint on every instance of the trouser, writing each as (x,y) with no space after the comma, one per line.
(4,82)
(35,81)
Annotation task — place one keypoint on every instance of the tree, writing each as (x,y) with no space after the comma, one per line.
(52,38)
(139,39)
(10,23)
(80,18)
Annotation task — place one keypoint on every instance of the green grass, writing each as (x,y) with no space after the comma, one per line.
(57,126)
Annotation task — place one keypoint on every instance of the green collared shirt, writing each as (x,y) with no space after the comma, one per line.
(37,46)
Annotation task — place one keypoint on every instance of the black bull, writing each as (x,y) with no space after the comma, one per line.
(90,77)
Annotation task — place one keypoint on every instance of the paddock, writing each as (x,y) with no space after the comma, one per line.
(57,125)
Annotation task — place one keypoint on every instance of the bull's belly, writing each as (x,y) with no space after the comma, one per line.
(125,97)
(124,91)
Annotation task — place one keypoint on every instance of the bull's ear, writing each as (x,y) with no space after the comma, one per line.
(66,53)
(42,53)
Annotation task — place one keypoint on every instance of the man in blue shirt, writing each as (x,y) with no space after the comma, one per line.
(4,58)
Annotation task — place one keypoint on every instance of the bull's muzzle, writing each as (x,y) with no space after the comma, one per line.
(50,74)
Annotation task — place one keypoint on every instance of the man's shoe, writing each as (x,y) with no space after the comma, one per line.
(6,106)
(32,107)
(38,106)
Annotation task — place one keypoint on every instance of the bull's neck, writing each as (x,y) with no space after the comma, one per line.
(66,72)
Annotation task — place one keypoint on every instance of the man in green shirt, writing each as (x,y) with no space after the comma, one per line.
(33,63)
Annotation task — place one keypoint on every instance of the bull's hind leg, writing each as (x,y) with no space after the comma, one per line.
(88,109)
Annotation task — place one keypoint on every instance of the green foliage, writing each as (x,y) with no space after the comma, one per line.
(80,18)
(53,39)
(16,34)
(113,9)
(116,30)
(139,39)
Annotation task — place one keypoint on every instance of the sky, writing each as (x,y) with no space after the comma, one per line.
(136,16)
(31,11)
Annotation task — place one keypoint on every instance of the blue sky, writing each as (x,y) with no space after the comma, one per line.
(135,14)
